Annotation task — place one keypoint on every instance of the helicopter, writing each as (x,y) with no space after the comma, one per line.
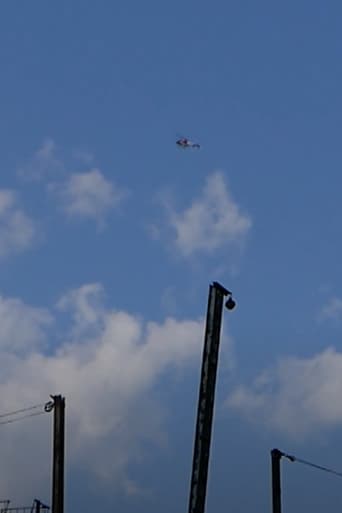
(184,142)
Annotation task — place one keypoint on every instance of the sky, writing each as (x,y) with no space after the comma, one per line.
(110,236)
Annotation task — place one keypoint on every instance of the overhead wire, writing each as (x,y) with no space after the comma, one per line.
(310,464)
(22,410)
(22,418)
(48,406)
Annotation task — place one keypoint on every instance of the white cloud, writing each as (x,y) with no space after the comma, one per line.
(90,194)
(86,194)
(211,221)
(297,397)
(85,305)
(17,230)
(107,367)
(43,164)
(22,326)
(332,310)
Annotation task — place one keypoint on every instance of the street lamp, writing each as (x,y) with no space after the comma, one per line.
(206,399)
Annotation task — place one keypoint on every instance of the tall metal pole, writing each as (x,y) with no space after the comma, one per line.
(276,480)
(206,398)
(58,455)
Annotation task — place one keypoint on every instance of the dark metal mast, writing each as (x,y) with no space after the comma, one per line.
(206,398)
(276,480)
(58,454)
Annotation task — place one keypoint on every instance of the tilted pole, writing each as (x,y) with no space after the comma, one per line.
(206,398)
(58,455)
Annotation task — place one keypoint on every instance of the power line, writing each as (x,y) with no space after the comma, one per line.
(22,418)
(48,406)
(22,410)
(310,464)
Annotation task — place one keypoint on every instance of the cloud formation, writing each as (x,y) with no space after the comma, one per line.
(332,310)
(17,230)
(90,195)
(87,194)
(44,163)
(22,326)
(297,397)
(107,366)
(211,221)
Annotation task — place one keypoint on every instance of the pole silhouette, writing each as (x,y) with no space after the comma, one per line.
(58,454)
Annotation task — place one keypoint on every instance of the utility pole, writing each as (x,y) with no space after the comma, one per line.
(39,506)
(206,398)
(58,454)
(276,480)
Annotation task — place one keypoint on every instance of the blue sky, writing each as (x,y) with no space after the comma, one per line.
(110,236)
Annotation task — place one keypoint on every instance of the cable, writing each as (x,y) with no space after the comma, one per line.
(22,418)
(9,414)
(314,465)
(47,408)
